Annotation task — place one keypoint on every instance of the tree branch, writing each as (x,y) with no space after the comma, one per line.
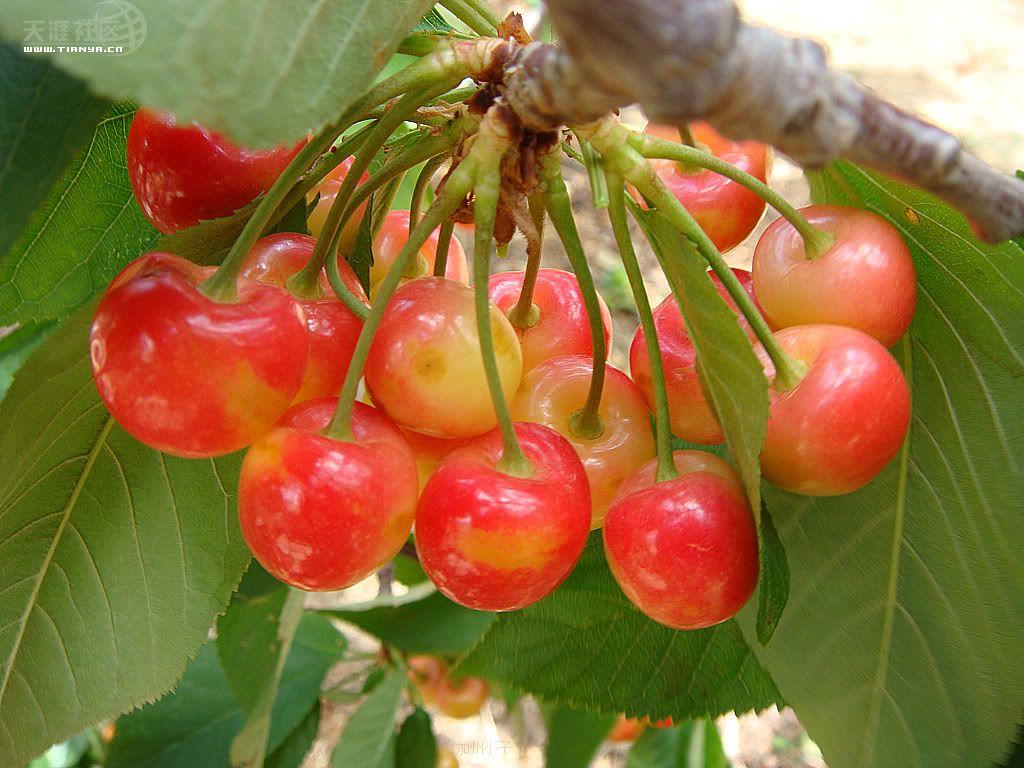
(684,60)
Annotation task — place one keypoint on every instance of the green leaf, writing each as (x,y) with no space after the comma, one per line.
(209,241)
(370,729)
(587,646)
(263,76)
(408,571)
(360,258)
(656,748)
(416,746)
(905,604)
(249,747)
(574,736)
(293,750)
(194,726)
(773,581)
(88,228)
(432,624)
(732,375)
(691,745)
(115,557)
(15,349)
(45,118)
(1016,757)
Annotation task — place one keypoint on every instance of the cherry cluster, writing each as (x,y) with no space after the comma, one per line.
(198,363)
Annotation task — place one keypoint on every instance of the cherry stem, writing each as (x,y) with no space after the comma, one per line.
(525,314)
(595,173)
(307,280)
(816,241)
(485,210)
(586,422)
(444,245)
(442,65)
(686,135)
(620,227)
(483,9)
(470,16)
(449,198)
(422,182)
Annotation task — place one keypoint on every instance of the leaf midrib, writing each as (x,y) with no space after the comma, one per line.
(101,439)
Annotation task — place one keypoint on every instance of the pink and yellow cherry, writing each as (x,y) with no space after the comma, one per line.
(626,730)
(328,190)
(322,514)
(394,234)
(461,698)
(425,369)
(446,758)
(846,419)
(495,542)
(727,211)
(865,280)
(557,389)
(333,328)
(430,451)
(188,375)
(182,174)
(690,414)
(558,324)
(426,673)
(684,550)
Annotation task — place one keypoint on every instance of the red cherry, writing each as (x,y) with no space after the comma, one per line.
(188,375)
(321,514)
(626,729)
(845,420)
(561,327)
(426,673)
(866,280)
(494,542)
(394,234)
(333,329)
(690,414)
(461,698)
(557,388)
(182,174)
(328,190)
(424,368)
(726,211)
(685,550)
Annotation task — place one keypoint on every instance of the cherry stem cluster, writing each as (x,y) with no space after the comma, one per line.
(816,241)
(585,423)
(620,228)
(525,314)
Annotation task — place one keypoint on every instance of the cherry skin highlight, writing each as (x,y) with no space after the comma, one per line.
(190,376)
(557,388)
(322,514)
(684,550)
(725,210)
(394,234)
(494,542)
(328,190)
(333,329)
(561,326)
(425,369)
(690,413)
(866,280)
(182,174)
(845,420)
(461,698)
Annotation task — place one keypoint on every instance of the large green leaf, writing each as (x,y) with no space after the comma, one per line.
(691,745)
(293,750)
(15,349)
(431,623)
(370,732)
(574,736)
(45,117)
(88,228)
(194,726)
(416,745)
(262,74)
(587,646)
(115,557)
(904,625)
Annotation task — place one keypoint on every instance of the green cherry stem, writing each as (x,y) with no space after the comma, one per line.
(586,422)
(598,183)
(816,241)
(484,10)
(525,314)
(444,245)
(420,189)
(485,211)
(686,135)
(620,227)
(469,16)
